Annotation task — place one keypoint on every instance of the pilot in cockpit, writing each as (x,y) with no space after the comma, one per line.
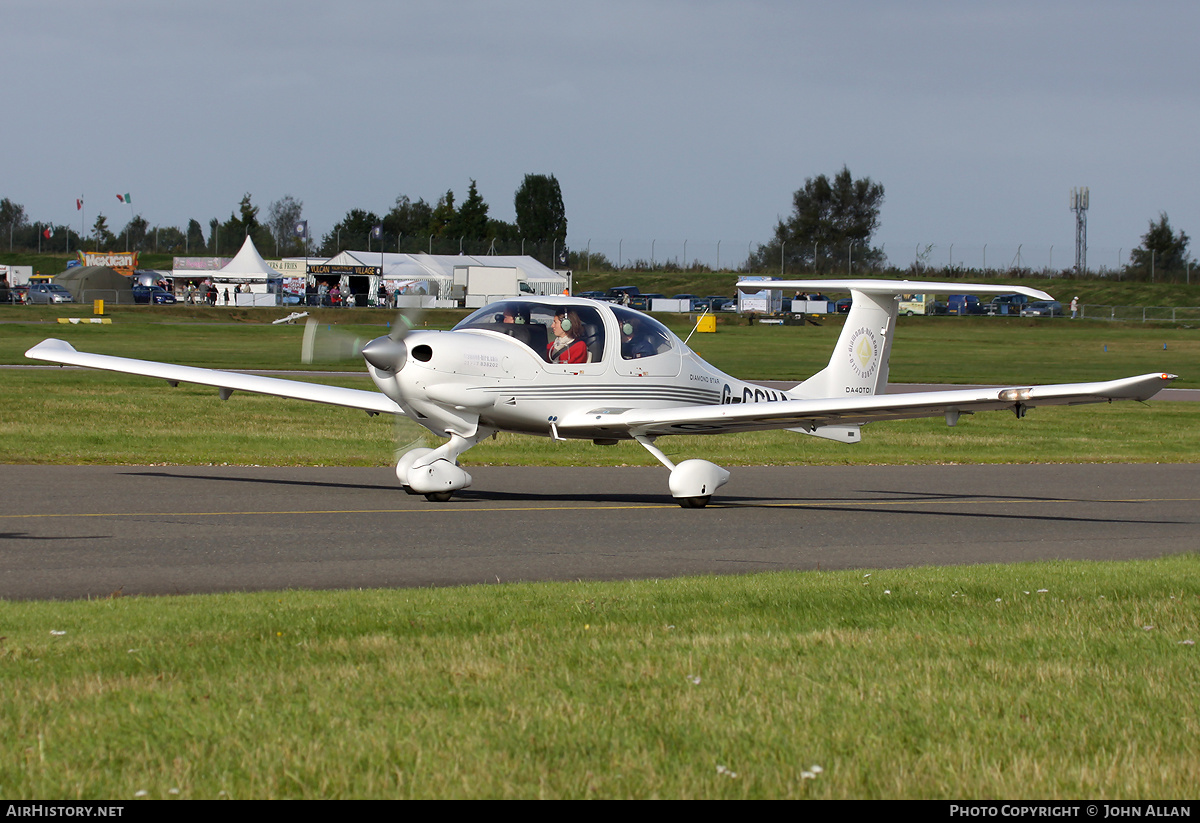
(567,347)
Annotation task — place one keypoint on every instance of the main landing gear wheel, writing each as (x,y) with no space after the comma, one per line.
(694,502)
(438,497)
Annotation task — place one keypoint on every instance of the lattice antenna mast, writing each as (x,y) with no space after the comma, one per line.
(1079,205)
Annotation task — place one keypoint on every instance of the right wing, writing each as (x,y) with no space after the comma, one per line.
(60,351)
(855,410)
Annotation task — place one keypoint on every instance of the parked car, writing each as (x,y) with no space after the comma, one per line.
(1006,305)
(48,293)
(642,302)
(963,304)
(721,303)
(592,295)
(843,306)
(152,294)
(1043,308)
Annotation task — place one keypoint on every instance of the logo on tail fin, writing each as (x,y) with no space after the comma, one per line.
(864,353)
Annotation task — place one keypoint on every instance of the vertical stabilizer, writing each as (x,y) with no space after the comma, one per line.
(859,364)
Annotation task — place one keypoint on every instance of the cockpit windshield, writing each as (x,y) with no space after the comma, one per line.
(641,335)
(572,333)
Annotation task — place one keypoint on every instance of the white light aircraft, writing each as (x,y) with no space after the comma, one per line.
(570,368)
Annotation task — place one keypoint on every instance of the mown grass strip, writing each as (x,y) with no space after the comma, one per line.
(1035,681)
(80,417)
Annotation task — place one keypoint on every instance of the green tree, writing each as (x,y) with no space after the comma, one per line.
(504,233)
(471,220)
(166,239)
(350,233)
(194,244)
(12,221)
(248,215)
(443,216)
(541,215)
(408,219)
(135,233)
(241,225)
(101,234)
(282,217)
(831,224)
(1163,252)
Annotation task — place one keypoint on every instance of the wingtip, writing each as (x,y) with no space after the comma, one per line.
(49,346)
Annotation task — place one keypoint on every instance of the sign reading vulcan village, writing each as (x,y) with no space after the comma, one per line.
(326,268)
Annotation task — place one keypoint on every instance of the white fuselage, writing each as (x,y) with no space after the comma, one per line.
(456,380)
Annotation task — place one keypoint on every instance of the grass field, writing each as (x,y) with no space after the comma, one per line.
(73,416)
(1049,680)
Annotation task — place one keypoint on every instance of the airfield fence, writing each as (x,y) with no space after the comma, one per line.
(1143,314)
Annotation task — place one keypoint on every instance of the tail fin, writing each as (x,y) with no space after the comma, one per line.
(859,364)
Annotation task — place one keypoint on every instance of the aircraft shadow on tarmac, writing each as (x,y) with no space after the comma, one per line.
(867,505)
(56,538)
(273,481)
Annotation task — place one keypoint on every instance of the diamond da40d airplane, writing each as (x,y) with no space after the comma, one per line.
(571,368)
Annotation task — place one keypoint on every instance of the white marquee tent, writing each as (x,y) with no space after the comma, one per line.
(246,267)
(407,272)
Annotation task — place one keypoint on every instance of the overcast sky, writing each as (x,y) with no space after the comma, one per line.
(663,121)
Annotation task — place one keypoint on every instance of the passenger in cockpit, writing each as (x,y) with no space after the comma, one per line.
(515,314)
(566,347)
(635,343)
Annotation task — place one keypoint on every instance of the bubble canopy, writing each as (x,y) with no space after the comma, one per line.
(532,322)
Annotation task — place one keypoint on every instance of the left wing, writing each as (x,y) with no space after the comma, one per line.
(853,410)
(60,351)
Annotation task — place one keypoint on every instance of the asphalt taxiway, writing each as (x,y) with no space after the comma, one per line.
(90,531)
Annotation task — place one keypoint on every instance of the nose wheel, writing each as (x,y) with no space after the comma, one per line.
(439,497)
(694,502)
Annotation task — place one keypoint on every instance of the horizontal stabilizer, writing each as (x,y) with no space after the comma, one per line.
(890,287)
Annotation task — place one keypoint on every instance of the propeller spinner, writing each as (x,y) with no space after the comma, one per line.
(388,353)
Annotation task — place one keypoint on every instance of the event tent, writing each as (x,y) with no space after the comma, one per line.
(438,269)
(246,268)
(87,283)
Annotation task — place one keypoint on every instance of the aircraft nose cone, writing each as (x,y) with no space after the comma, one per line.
(386,354)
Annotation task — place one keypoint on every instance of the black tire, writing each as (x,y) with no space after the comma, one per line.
(439,497)
(694,502)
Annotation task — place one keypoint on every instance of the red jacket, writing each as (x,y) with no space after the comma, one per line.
(574,352)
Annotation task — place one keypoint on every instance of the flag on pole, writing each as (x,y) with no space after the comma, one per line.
(377,231)
(78,204)
(301,228)
(46,232)
(125,199)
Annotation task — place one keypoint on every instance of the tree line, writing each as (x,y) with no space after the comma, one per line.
(830,229)
(443,227)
